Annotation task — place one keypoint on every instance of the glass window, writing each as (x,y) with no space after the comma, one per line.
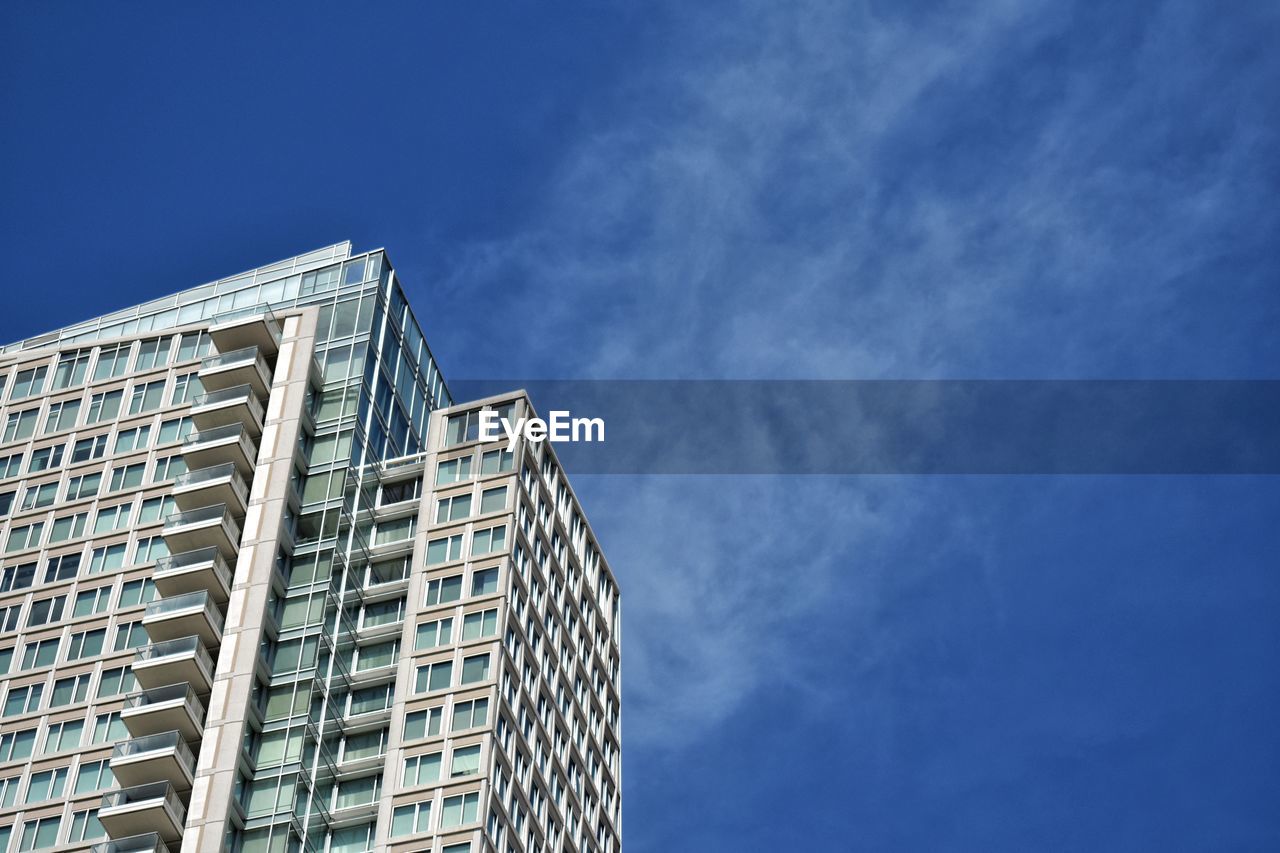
(420,724)
(108,728)
(475,668)
(493,500)
(68,527)
(127,477)
(453,471)
(11,465)
(453,508)
(444,550)
(62,736)
(23,699)
(459,810)
(395,531)
(62,567)
(94,447)
(128,440)
(29,382)
(154,353)
(434,633)
(44,458)
(484,582)
(17,577)
(39,834)
(421,770)
(412,819)
(86,644)
(46,785)
(84,486)
(466,761)
(477,625)
(68,691)
(17,746)
(21,538)
(85,826)
(469,715)
(40,653)
(444,590)
(62,415)
(116,681)
(113,361)
(129,635)
(496,462)
(135,592)
(146,397)
(104,407)
(107,559)
(94,776)
(20,425)
(186,387)
(71,369)
(46,610)
(39,496)
(112,518)
(433,676)
(174,429)
(488,541)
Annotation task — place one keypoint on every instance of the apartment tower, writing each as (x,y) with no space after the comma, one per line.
(263,589)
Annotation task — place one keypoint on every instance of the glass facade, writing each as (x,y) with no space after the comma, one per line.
(257,458)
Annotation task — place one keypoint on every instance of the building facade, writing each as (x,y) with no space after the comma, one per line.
(263,589)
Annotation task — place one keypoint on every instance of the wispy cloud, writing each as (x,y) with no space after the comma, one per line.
(831,189)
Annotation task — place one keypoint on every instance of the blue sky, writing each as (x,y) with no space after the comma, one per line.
(774,190)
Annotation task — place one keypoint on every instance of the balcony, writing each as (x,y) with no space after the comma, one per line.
(174,707)
(220,445)
(143,808)
(148,843)
(237,405)
(217,484)
(237,367)
(186,615)
(257,328)
(206,527)
(173,662)
(154,758)
(191,571)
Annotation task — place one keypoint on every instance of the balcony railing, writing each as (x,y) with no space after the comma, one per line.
(148,843)
(187,559)
(159,695)
(216,512)
(198,600)
(223,359)
(215,434)
(144,793)
(173,648)
(154,743)
(213,472)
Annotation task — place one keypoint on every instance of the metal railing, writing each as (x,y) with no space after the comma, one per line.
(147,843)
(154,743)
(173,648)
(151,791)
(158,695)
(246,355)
(234,394)
(213,512)
(214,434)
(198,557)
(220,471)
(197,600)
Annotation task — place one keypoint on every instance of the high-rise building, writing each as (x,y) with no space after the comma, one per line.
(263,589)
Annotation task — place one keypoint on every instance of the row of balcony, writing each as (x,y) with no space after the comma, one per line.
(174,671)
